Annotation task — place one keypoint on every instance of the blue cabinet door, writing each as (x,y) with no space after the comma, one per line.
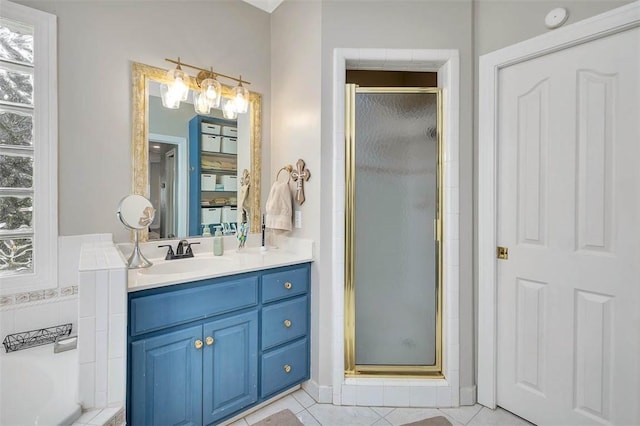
(230,365)
(166,379)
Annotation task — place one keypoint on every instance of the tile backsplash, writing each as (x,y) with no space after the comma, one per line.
(38,295)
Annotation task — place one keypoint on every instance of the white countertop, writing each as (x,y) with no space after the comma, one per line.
(290,251)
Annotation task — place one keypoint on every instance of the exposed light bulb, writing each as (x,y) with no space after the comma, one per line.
(179,89)
(212,91)
(169,100)
(178,84)
(229,110)
(200,103)
(241,99)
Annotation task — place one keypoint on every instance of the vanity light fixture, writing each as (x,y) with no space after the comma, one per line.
(209,94)
(241,98)
(211,89)
(176,89)
(200,103)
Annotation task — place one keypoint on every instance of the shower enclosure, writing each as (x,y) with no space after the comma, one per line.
(393,282)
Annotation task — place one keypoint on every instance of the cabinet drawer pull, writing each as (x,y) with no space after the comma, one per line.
(198,344)
(209,341)
(287,323)
(288,285)
(287,368)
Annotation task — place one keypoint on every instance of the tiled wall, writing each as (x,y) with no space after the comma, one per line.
(45,308)
(102,326)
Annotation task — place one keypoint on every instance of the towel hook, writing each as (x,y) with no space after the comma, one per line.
(288,168)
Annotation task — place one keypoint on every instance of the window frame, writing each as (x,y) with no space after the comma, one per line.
(45,152)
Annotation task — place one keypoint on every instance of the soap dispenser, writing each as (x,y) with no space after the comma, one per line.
(218,242)
(206,232)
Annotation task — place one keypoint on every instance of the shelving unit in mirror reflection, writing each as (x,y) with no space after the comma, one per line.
(213,173)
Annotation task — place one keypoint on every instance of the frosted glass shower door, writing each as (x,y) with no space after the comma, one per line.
(395,157)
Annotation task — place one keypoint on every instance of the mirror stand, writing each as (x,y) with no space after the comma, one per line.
(137,259)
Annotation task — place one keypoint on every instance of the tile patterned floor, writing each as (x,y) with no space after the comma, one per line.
(313,414)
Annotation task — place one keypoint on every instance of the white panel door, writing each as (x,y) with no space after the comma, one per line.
(569,212)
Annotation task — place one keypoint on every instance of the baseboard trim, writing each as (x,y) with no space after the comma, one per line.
(468,395)
(321,394)
(253,409)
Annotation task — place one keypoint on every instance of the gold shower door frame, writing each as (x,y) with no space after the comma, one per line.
(351,369)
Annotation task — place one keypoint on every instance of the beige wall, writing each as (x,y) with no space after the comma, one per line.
(288,57)
(295,131)
(97,41)
(473,27)
(413,25)
(498,24)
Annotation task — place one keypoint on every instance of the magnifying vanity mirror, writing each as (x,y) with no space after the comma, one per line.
(193,184)
(136,213)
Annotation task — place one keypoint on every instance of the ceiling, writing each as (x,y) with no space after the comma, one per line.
(266,5)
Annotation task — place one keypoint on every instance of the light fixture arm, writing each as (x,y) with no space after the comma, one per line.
(204,73)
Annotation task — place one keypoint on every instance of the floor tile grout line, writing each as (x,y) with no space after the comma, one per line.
(314,417)
(394,409)
(451,418)
(474,416)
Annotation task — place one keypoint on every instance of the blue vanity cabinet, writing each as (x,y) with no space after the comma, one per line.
(201,352)
(230,365)
(166,379)
(285,329)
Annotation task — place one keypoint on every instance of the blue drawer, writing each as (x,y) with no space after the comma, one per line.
(279,285)
(284,321)
(285,367)
(156,311)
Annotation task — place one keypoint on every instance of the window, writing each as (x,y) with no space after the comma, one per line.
(28,149)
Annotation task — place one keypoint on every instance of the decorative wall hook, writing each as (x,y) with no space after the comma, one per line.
(243,208)
(299,176)
(246,178)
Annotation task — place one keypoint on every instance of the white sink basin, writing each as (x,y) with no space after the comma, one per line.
(182,266)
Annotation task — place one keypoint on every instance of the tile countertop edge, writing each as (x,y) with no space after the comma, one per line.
(100,255)
(293,251)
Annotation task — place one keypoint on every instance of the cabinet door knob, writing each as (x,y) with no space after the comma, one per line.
(287,323)
(209,341)
(198,344)
(288,285)
(287,368)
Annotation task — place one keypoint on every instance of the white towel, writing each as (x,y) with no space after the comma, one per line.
(278,208)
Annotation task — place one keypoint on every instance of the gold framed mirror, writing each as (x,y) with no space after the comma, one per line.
(142,75)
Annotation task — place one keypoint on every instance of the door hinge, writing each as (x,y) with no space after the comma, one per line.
(502,252)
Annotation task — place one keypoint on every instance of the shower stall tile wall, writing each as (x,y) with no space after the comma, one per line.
(102,326)
(45,308)
(427,392)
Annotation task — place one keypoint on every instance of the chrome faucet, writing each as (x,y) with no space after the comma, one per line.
(183,250)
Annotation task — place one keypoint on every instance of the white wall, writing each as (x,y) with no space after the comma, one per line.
(97,42)
(295,132)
